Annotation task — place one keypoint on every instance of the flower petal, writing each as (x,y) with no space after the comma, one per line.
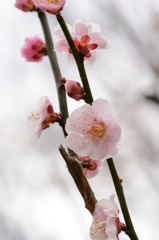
(99,39)
(80,120)
(71,59)
(97,149)
(113,132)
(80,28)
(61,46)
(93,173)
(111,228)
(92,58)
(59,33)
(113,148)
(103,109)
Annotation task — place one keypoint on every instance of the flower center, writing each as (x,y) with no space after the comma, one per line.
(98,227)
(56,2)
(34,116)
(98,130)
(83,47)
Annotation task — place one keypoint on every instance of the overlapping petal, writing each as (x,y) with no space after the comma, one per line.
(87,38)
(92,131)
(105,223)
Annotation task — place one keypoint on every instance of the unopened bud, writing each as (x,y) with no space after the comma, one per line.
(74,90)
(34,49)
(25,5)
(90,166)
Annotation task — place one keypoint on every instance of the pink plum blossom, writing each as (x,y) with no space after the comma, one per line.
(87,38)
(51,6)
(34,49)
(44,116)
(25,5)
(74,90)
(105,225)
(90,166)
(92,131)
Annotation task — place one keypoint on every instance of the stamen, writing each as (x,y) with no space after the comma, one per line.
(98,130)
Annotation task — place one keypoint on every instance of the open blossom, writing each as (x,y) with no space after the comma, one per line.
(51,6)
(87,38)
(44,116)
(25,5)
(74,90)
(34,49)
(90,166)
(92,131)
(105,225)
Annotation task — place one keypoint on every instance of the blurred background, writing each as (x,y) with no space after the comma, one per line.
(38,198)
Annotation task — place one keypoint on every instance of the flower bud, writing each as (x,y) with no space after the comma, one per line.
(34,49)
(25,5)
(90,166)
(74,90)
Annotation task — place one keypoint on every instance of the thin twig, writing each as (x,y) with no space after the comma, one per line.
(120,193)
(56,70)
(79,60)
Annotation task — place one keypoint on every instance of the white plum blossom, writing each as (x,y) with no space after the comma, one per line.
(106,224)
(44,116)
(87,38)
(92,130)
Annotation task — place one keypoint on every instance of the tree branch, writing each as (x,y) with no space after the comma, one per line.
(120,193)
(80,180)
(56,70)
(79,60)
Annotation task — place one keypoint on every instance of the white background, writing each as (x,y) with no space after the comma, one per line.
(38,198)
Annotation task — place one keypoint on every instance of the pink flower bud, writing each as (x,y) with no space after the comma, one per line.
(25,5)
(44,116)
(74,90)
(34,49)
(51,6)
(90,166)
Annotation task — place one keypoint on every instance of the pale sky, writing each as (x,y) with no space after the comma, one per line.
(38,198)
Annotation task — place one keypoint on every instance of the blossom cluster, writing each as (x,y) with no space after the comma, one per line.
(51,6)
(93,133)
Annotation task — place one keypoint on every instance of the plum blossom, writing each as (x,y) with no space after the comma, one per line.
(74,90)
(92,131)
(90,166)
(51,6)
(34,49)
(44,116)
(25,5)
(87,38)
(105,225)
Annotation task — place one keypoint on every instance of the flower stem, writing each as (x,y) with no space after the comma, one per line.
(119,190)
(56,70)
(79,60)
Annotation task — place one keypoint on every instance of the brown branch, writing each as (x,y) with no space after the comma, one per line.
(81,182)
